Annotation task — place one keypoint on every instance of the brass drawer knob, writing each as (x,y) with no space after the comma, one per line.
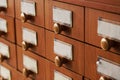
(27,72)
(26,45)
(57,28)
(2,58)
(105,44)
(104,78)
(24,17)
(59,61)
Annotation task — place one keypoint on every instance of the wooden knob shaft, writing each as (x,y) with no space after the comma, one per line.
(59,61)
(57,28)
(25,45)
(27,72)
(2,58)
(105,44)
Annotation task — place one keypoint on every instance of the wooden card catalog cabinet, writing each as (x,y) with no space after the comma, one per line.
(4,51)
(3,26)
(30,66)
(60,76)
(5,73)
(28,10)
(110,30)
(110,70)
(63,51)
(29,38)
(3,5)
(62,18)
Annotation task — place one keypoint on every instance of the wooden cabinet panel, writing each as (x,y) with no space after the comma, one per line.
(10,35)
(40,63)
(91,57)
(50,75)
(11,51)
(77,64)
(38,19)
(77,29)
(40,37)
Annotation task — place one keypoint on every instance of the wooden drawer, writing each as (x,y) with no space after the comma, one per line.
(31,65)
(7,53)
(92,55)
(55,73)
(7,29)
(7,7)
(30,37)
(69,24)
(33,11)
(56,45)
(93,17)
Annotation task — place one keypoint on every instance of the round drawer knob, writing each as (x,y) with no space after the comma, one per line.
(26,45)
(57,28)
(24,17)
(105,44)
(27,72)
(59,61)
(104,78)
(2,58)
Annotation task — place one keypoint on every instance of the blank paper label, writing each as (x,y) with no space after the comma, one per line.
(60,76)
(3,25)
(28,8)
(29,36)
(30,63)
(3,3)
(5,73)
(109,68)
(63,49)
(109,29)
(4,50)
(62,16)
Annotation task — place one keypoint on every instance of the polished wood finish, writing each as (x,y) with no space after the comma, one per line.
(77,31)
(91,35)
(91,57)
(40,48)
(12,50)
(50,68)
(77,64)
(40,62)
(10,35)
(39,18)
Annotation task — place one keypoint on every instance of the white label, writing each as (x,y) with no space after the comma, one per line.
(60,76)
(30,63)
(29,36)
(4,50)
(28,8)
(109,68)
(109,29)
(3,25)
(3,3)
(63,49)
(5,73)
(62,16)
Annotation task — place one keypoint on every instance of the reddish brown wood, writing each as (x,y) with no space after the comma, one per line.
(12,50)
(40,48)
(91,56)
(77,31)
(10,28)
(50,68)
(77,64)
(39,18)
(40,62)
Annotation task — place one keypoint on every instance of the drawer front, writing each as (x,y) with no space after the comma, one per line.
(70,24)
(36,67)
(31,11)
(30,37)
(8,53)
(101,25)
(55,73)
(7,29)
(7,7)
(57,46)
(92,69)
